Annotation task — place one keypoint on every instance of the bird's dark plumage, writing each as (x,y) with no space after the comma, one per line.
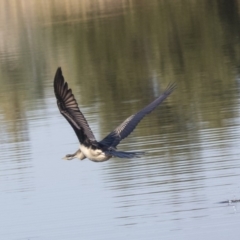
(89,147)
(125,128)
(68,107)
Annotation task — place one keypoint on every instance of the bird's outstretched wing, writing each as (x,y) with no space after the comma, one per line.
(68,107)
(124,129)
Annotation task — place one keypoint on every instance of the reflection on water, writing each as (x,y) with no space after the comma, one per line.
(118,57)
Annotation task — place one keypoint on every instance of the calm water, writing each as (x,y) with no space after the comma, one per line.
(118,56)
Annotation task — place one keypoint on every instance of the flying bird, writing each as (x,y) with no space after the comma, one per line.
(89,147)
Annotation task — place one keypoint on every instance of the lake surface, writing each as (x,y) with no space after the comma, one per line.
(118,56)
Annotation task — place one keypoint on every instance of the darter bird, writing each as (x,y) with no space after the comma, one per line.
(89,147)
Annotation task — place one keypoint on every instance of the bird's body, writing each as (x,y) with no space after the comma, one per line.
(89,147)
(96,155)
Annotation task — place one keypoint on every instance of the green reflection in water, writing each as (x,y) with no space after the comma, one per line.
(127,51)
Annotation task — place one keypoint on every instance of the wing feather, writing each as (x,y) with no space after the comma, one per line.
(125,128)
(68,107)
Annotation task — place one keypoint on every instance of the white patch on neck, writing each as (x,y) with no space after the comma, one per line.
(95,155)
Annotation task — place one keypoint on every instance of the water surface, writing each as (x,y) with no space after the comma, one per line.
(117,57)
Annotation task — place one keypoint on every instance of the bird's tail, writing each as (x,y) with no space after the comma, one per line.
(121,154)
